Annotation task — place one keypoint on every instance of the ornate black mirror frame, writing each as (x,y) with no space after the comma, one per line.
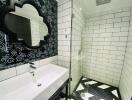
(14,52)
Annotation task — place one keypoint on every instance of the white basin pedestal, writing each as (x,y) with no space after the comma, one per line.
(49,79)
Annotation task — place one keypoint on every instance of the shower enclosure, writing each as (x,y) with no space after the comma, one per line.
(100,43)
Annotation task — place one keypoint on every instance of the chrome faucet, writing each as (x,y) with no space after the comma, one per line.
(32,66)
(33,71)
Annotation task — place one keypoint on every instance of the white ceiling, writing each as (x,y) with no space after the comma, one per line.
(89,6)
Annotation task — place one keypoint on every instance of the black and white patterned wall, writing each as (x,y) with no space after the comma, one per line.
(12,54)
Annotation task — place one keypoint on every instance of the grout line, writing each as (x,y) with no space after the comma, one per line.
(126,47)
(71,46)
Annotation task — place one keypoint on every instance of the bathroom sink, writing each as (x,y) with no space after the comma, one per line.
(48,80)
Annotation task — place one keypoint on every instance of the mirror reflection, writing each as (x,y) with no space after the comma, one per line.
(27,24)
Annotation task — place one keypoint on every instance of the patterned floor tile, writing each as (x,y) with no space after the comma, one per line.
(80,87)
(103,86)
(85,96)
(115,93)
(84,78)
(90,82)
(89,89)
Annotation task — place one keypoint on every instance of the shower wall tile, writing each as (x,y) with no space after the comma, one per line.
(122,14)
(64,32)
(104,45)
(126,77)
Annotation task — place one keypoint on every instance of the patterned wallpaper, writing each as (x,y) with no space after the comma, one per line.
(16,53)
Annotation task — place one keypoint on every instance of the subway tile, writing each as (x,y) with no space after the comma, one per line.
(67,18)
(8,73)
(22,69)
(66,5)
(125,19)
(47,61)
(66,12)
(108,16)
(125,85)
(60,8)
(122,14)
(124,29)
(105,46)
(64,18)
(117,20)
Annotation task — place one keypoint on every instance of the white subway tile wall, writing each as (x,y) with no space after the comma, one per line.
(77,29)
(64,32)
(104,44)
(126,77)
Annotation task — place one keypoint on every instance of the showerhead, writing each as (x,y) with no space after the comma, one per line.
(101,2)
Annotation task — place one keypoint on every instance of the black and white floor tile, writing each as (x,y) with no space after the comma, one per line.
(89,89)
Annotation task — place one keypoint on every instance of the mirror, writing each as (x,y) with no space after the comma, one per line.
(27,24)
(17,46)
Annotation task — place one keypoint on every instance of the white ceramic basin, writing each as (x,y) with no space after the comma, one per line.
(22,87)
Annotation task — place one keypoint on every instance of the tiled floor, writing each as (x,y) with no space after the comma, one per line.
(89,89)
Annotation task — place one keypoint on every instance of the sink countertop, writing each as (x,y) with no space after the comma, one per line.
(50,76)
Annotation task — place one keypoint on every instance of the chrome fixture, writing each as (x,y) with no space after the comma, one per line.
(32,66)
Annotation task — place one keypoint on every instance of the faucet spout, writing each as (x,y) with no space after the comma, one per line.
(33,73)
(32,66)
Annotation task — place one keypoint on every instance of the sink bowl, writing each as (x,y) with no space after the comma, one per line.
(48,79)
